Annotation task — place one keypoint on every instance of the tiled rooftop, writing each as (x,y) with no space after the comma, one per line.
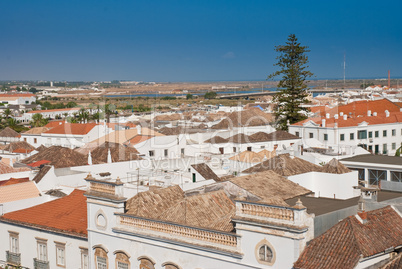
(18,191)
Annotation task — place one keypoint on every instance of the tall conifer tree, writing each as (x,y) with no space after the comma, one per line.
(292,88)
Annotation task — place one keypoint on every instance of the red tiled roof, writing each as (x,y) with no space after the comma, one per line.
(344,244)
(12,181)
(72,128)
(138,139)
(67,214)
(38,163)
(54,123)
(17,95)
(55,110)
(21,150)
(354,121)
(358,108)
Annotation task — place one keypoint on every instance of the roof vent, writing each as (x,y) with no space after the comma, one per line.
(336,116)
(375,114)
(386,113)
(345,117)
(341,114)
(369,113)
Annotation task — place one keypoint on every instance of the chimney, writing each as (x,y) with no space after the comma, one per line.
(327,115)
(345,117)
(138,129)
(386,113)
(375,114)
(109,156)
(89,159)
(336,116)
(369,113)
(341,114)
(323,122)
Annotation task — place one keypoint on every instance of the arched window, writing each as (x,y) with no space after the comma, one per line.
(146,263)
(265,253)
(170,265)
(101,260)
(122,260)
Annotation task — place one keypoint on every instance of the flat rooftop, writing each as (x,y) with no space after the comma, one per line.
(320,206)
(378,159)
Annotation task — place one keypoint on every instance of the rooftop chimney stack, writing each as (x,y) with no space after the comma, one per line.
(341,114)
(345,117)
(336,116)
(323,123)
(375,114)
(327,115)
(386,113)
(369,113)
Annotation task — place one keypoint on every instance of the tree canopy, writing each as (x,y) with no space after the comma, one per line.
(292,88)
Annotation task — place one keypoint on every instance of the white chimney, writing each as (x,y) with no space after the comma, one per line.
(323,123)
(327,115)
(400,110)
(336,116)
(345,117)
(341,114)
(375,114)
(138,129)
(386,113)
(369,113)
(89,158)
(109,156)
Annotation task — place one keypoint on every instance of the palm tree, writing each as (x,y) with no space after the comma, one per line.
(83,115)
(38,120)
(7,113)
(96,116)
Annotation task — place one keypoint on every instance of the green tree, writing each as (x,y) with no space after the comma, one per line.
(292,88)
(189,96)
(7,113)
(210,95)
(38,120)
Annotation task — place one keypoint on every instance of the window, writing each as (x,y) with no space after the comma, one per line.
(384,149)
(363,134)
(221,150)
(265,253)
(42,250)
(25,139)
(151,153)
(234,149)
(101,263)
(384,133)
(248,148)
(396,176)
(61,254)
(311,135)
(146,263)
(325,137)
(298,134)
(122,260)
(122,265)
(84,258)
(377,134)
(393,132)
(352,136)
(370,134)
(14,247)
(166,152)
(342,137)
(375,176)
(393,145)
(182,151)
(35,140)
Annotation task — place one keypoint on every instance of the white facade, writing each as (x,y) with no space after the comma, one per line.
(51,113)
(17,99)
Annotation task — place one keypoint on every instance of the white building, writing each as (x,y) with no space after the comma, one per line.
(17,98)
(51,113)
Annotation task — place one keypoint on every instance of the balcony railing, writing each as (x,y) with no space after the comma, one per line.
(13,258)
(38,264)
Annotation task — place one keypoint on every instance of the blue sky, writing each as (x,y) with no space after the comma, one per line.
(194,40)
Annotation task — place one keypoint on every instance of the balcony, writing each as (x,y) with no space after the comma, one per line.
(13,258)
(38,264)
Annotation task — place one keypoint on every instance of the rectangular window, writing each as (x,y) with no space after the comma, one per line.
(370,134)
(311,135)
(248,148)
(221,150)
(362,134)
(352,136)
(377,134)
(342,137)
(393,132)
(84,259)
(182,151)
(25,139)
(384,133)
(151,153)
(393,145)
(166,152)
(14,247)
(42,250)
(298,134)
(61,254)
(101,263)
(234,149)
(396,176)
(384,149)
(35,140)
(325,137)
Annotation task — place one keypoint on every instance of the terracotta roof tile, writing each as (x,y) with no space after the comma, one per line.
(205,171)
(344,244)
(8,132)
(55,110)
(67,214)
(12,181)
(72,128)
(19,191)
(395,263)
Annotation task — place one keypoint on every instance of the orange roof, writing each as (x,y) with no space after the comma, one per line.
(54,123)
(21,150)
(20,191)
(17,95)
(72,128)
(67,214)
(372,120)
(55,110)
(12,181)
(138,139)
(358,108)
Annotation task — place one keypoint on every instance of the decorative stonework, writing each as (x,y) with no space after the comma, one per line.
(100,220)
(100,187)
(264,244)
(267,211)
(177,230)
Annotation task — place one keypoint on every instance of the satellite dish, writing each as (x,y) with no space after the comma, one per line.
(283,146)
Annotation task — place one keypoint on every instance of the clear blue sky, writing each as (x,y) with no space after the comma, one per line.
(194,40)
